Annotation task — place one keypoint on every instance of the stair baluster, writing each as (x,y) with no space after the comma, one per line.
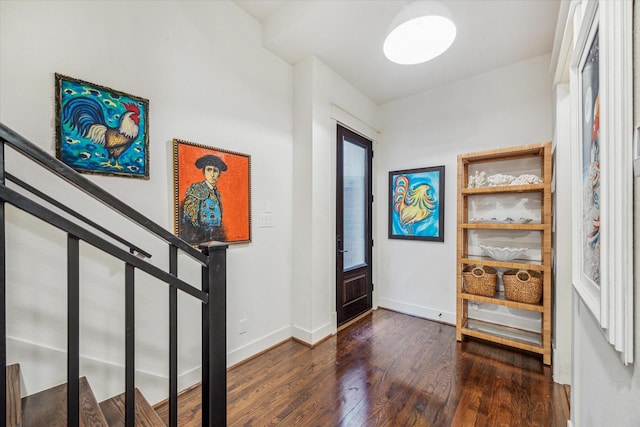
(173,340)
(214,336)
(130,339)
(3,299)
(73,330)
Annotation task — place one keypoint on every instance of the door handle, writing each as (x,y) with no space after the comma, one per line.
(338,245)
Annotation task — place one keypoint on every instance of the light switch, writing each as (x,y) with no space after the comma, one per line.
(266,220)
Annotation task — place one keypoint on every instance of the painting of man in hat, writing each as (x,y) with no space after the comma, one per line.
(211,194)
(202,206)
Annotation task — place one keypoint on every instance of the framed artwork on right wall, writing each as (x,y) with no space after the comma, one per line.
(602,175)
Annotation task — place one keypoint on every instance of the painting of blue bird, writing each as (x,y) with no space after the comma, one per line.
(86,116)
(101,130)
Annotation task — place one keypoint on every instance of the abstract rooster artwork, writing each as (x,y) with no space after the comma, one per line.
(100,130)
(416,204)
(591,164)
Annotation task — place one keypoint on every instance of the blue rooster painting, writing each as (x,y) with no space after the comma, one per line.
(417,204)
(101,130)
(85,116)
(412,204)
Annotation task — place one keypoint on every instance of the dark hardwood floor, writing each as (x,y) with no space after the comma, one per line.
(390,369)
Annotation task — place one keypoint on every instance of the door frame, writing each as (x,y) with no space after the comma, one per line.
(343,132)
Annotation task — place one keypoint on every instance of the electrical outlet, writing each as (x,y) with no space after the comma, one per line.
(475,306)
(243,326)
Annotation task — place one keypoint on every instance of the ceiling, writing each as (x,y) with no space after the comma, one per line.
(347,35)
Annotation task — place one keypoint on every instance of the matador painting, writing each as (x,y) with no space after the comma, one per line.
(211,193)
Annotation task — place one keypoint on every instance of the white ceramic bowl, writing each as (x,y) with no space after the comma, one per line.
(503,254)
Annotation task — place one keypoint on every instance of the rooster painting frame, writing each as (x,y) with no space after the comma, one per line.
(212,194)
(100,130)
(416,204)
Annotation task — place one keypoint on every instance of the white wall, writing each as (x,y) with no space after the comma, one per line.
(208,80)
(322,98)
(502,108)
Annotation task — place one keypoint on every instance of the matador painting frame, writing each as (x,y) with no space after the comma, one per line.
(233,193)
(89,117)
(416,204)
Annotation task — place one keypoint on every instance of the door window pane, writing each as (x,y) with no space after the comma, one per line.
(354,202)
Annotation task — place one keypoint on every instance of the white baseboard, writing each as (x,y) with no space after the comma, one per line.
(301,334)
(315,336)
(561,370)
(254,347)
(417,310)
(334,322)
(499,315)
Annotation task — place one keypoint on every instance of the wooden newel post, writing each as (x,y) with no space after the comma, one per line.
(214,335)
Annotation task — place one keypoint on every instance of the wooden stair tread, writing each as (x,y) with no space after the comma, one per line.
(49,407)
(13,404)
(114,409)
(189,407)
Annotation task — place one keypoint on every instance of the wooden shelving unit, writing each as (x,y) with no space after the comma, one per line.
(539,341)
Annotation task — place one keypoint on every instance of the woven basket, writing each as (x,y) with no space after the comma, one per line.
(480,280)
(522,285)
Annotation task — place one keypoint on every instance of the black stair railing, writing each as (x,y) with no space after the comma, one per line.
(212,258)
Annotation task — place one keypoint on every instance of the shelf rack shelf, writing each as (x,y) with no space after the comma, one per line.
(499,299)
(504,189)
(483,226)
(513,337)
(490,262)
(537,342)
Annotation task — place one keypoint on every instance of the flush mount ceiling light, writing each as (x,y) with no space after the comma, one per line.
(421,31)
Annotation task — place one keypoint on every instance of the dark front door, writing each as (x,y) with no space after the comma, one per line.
(353,225)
